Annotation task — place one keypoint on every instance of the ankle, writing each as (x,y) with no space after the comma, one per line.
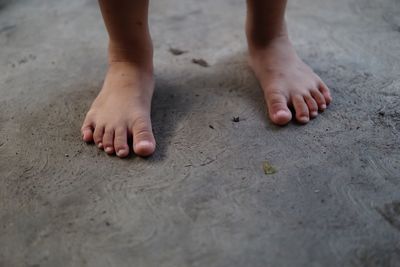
(259,38)
(279,44)
(139,54)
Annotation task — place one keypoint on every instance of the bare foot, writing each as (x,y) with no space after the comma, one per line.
(287,82)
(121,111)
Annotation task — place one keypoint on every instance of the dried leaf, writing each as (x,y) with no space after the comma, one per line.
(268,168)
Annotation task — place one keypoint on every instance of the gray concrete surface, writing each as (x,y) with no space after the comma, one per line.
(202,199)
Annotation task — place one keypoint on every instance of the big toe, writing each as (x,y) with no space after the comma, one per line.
(87,130)
(87,134)
(143,139)
(281,117)
(278,110)
(144,148)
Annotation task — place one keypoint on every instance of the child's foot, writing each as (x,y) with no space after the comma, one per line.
(122,110)
(287,82)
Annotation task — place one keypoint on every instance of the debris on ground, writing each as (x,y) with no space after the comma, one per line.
(235,119)
(176,51)
(200,62)
(212,127)
(268,168)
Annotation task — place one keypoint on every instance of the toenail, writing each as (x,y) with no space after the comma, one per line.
(281,113)
(314,114)
(323,106)
(100,145)
(145,143)
(108,149)
(120,152)
(304,119)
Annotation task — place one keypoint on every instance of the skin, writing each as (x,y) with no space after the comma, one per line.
(122,108)
(121,111)
(284,78)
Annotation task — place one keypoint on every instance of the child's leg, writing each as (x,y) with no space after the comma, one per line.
(285,79)
(122,108)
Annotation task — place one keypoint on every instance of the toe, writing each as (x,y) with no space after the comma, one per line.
(312,106)
(278,110)
(319,98)
(325,92)
(87,130)
(87,133)
(143,139)
(108,140)
(121,143)
(98,136)
(301,108)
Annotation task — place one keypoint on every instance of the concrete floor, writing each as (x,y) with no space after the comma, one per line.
(203,198)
